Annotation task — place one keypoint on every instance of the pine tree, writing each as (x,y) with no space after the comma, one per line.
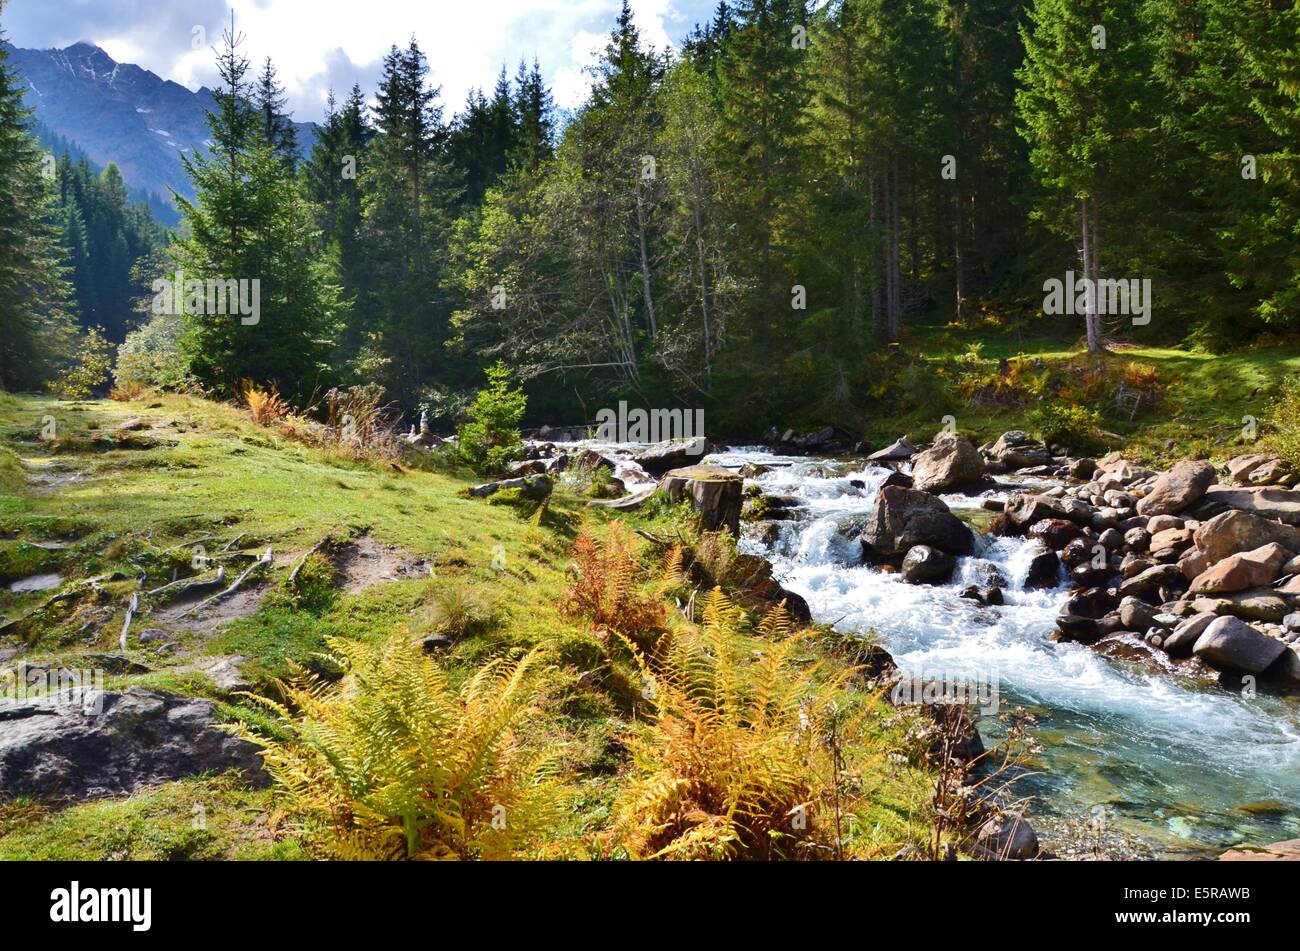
(36,327)
(275,124)
(251,224)
(1083,84)
(409,193)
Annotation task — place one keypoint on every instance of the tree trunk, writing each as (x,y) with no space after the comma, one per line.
(704,294)
(651,328)
(1090,317)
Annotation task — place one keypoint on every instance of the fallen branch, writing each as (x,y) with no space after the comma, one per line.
(130,613)
(187,585)
(293,575)
(262,562)
(231,544)
(654,539)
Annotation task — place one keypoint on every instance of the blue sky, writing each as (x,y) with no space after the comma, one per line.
(317,44)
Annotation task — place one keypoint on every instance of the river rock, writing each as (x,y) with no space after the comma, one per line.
(537,487)
(1056,533)
(1271,503)
(900,450)
(904,518)
(1044,568)
(951,463)
(1236,531)
(1183,485)
(1147,585)
(663,457)
(1257,604)
(51,748)
(1288,851)
(716,493)
(1230,644)
(1285,671)
(1137,615)
(1007,837)
(927,565)
(1183,638)
(1016,449)
(1252,569)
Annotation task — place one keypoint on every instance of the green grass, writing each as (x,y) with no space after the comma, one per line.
(1205,397)
(195,819)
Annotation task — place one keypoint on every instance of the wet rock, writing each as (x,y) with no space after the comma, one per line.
(1138,539)
(926,565)
(1092,603)
(1076,553)
(1147,585)
(1007,837)
(1285,671)
(752,470)
(1229,644)
(899,450)
(904,518)
(1258,604)
(1044,568)
(1056,533)
(1024,509)
(53,749)
(1288,851)
(951,463)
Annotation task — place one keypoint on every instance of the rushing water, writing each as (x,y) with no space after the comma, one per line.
(1187,769)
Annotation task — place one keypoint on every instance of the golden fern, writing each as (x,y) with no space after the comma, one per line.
(392,762)
(732,763)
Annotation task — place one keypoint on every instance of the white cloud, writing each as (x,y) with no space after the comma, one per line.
(316,43)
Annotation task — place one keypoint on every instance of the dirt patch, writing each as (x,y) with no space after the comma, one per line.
(243,603)
(365,563)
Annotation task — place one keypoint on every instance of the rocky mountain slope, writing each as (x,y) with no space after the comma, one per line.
(121,113)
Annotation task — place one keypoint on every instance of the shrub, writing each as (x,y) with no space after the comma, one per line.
(490,438)
(393,762)
(1068,424)
(1284,420)
(128,391)
(90,372)
(151,355)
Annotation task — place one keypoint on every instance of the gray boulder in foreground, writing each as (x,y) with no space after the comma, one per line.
(54,748)
(1232,645)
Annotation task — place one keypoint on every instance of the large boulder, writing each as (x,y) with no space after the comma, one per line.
(663,457)
(535,487)
(1232,645)
(951,463)
(1044,568)
(904,518)
(52,748)
(927,565)
(1234,531)
(716,493)
(1016,449)
(1183,485)
(1273,503)
(1024,509)
(1252,569)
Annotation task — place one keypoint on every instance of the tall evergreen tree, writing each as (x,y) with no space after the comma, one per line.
(275,125)
(250,224)
(36,328)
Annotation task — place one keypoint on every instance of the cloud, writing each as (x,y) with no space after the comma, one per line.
(317,44)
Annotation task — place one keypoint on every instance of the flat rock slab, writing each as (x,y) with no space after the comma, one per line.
(1280,504)
(113,744)
(1288,851)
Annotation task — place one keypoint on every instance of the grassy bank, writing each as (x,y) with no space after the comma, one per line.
(110,497)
